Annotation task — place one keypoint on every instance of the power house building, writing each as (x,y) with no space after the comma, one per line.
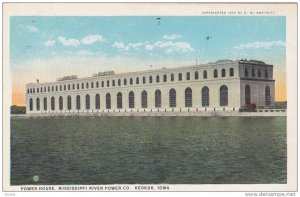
(224,85)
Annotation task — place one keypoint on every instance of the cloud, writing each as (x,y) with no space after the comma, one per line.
(149,47)
(136,45)
(90,53)
(31,28)
(172,36)
(49,43)
(119,45)
(261,45)
(85,52)
(170,46)
(68,42)
(90,39)
(129,46)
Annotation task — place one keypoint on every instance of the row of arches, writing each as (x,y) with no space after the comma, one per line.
(223,73)
(188,95)
(123,82)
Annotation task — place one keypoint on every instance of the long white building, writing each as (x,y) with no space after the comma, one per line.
(223,85)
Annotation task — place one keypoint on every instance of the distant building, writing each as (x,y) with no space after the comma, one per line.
(223,85)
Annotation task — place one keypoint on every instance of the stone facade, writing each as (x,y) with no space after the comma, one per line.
(226,86)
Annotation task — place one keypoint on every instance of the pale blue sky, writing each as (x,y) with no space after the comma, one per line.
(141,38)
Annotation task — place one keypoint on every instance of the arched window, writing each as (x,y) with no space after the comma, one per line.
(172,77)
(165,78)
(107,83)
(60,88)
(52,103)
(119,100)
(157,78)
(223,95)
(37,104)
(113,82)
(253,72)
(131,81)
(179,77)
(31,104)
(137,80)
(266,74)
(188,97)
(172,98)
(97,84)
(27,91)
(45,103)
(41,90)
(45,89)
(205,74)
(78,102)
(60,103)
(33,90)
(150,79)
(144,80)
(69,102)
(196,75)
(102,84)
(223,72)
(108,101)
(77,86)
(205,96)
(69,86)
(30,90)
(246,72)
(131,99)
(56,88)
(259,73)
(49,88)
(52,89)
(82,85)
(65,87)
(97,101)
(188,76)
(119,82)
(87,102)
(92,85)
(231,72)
(144,99)
(125,82)
(157,98)
(247,95)
(73,86)
(215,73)
(268,96)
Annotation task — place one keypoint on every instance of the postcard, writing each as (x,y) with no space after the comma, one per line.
(149,97)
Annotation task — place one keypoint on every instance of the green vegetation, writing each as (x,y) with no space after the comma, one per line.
(17,109)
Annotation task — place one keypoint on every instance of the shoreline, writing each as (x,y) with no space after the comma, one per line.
(159,114)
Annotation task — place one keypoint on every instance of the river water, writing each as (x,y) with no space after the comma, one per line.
(148,150)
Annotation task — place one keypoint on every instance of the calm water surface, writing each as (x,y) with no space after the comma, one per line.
(144,150)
